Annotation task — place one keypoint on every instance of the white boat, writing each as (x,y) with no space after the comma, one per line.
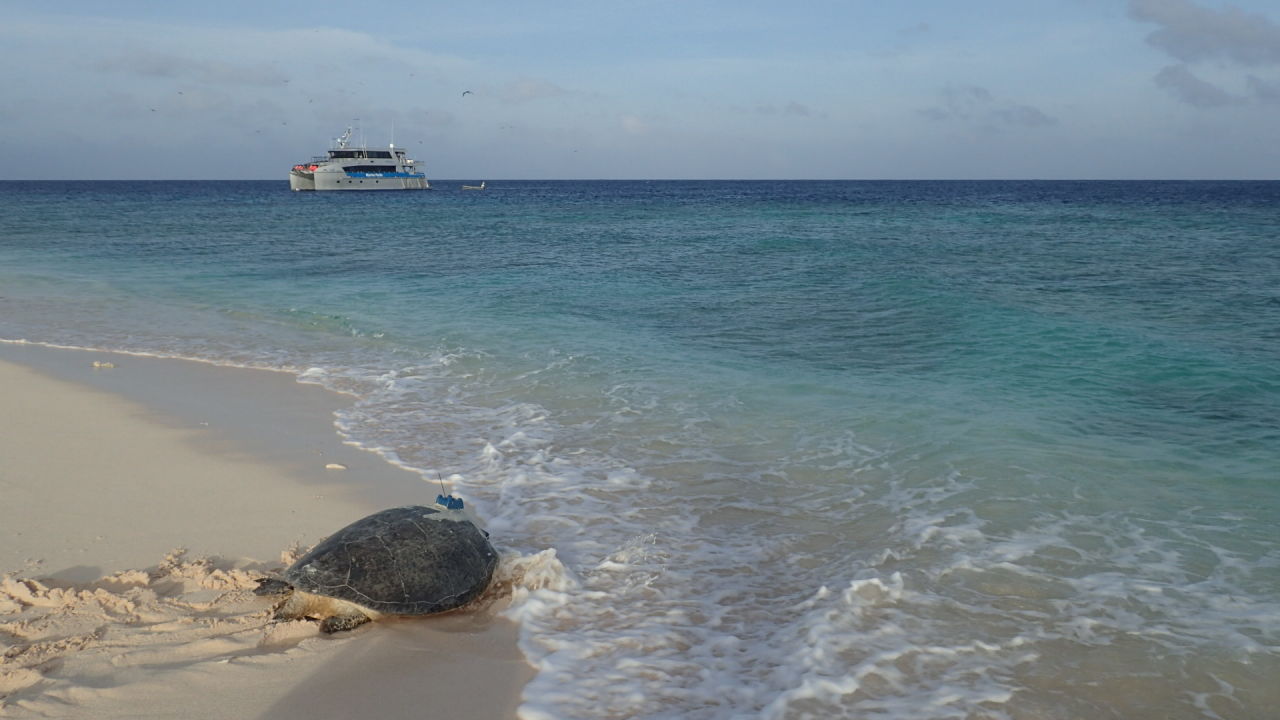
(474,187)
(359,168)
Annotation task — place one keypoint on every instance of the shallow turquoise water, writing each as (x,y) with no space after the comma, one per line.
(802,449)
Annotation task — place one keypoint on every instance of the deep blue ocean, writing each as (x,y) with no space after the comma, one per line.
(769,449)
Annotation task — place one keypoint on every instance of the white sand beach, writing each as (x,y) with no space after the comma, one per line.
(139,503)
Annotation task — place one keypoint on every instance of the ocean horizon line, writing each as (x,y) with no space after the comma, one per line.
(701,180)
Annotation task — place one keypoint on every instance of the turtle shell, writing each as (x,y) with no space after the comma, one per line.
(405,561)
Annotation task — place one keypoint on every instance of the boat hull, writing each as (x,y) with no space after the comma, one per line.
(299,181)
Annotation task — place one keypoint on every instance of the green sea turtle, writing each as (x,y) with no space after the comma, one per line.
(414,560)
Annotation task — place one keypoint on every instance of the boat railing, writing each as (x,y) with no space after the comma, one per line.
(327,158)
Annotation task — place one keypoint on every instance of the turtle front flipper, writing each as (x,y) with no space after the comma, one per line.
(347,621)
(272,586)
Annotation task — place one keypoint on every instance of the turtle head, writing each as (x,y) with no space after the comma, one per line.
(272,586)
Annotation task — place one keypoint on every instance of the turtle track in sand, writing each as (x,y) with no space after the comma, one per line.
(56,637)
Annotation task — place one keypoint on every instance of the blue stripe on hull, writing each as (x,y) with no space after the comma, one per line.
(385,175)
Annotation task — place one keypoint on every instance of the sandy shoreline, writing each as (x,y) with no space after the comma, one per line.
(107,471)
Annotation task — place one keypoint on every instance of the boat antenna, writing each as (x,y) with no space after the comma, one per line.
(441,480)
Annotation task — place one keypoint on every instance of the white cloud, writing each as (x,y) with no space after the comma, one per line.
(1025,116)
(1221,40)
(975,104)
(793,108)
(1264,91)
(531,89)
(1192,33)
(1184,84)
(633,125)
(145,63)
(797,109)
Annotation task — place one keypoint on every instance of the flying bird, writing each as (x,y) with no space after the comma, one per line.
(466,93)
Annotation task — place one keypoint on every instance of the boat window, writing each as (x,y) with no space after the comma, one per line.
(369,168)
(380,154)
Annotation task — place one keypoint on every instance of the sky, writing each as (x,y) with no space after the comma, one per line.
(645,89)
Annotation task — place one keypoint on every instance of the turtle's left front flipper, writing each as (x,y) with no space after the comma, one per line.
(338,623)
